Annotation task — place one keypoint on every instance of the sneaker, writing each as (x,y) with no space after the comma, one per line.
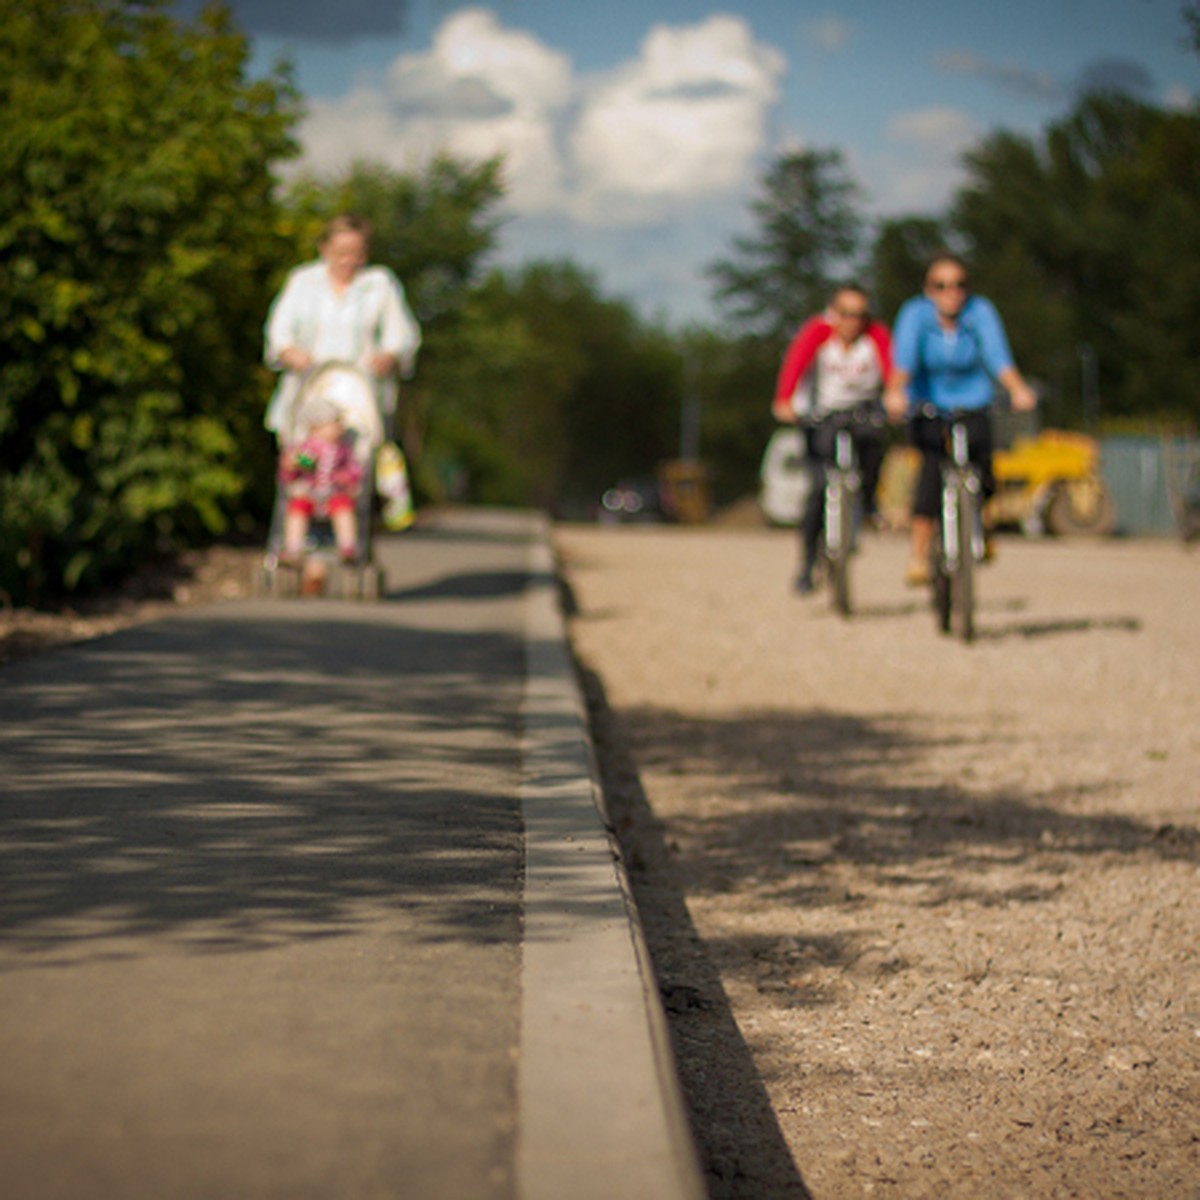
(349,557)
(917,573)
(804,584)
(290,558)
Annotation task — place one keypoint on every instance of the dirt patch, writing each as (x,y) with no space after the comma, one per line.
(924,913)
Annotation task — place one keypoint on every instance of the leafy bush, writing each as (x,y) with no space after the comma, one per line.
(138,252)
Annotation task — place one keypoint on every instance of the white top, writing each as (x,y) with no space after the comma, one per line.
(847,375)
(370,317)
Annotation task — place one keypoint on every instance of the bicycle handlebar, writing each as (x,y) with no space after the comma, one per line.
(843,418)
(931,410)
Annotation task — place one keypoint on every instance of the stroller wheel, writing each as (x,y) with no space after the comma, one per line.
(271,582)
(344,581)
(372,582)
(341,582)
(358,581)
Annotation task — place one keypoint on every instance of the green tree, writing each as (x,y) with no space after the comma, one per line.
(902,250)
(807,233)
(495,431)
(733,379)
(138,237)
(560,392)
(1087,243)
(1191,16)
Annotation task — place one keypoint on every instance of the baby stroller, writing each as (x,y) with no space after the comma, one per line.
(344,391)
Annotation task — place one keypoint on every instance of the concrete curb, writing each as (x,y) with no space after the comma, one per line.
(599,1107)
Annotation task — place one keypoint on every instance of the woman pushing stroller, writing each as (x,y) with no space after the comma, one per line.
(340,332)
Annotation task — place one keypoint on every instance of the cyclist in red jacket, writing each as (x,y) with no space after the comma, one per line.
(837,362)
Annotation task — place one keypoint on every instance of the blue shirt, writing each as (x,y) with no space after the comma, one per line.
(951,368)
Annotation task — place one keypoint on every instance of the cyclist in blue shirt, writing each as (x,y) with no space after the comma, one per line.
(949,351)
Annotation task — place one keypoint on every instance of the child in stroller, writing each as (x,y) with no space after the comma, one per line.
(328,440)
(321,477)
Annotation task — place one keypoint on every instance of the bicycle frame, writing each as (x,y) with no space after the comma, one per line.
(960,475)
(959,544)
(842,485)
(840,495)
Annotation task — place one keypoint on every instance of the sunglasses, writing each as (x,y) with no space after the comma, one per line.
(946,285)
(853,314)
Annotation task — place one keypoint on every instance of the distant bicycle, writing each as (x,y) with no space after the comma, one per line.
(959,543)
(842,499)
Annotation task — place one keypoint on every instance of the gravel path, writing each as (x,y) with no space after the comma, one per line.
(925,913)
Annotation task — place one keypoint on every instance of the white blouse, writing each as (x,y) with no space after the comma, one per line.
(370,317)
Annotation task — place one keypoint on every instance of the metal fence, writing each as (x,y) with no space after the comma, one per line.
(1147,477)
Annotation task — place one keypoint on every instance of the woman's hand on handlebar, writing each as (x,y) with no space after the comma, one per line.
(895,403)
(296,359)
(382,364)
(783,411)
(1023,397)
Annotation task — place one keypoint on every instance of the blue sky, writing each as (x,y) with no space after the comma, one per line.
(636,130)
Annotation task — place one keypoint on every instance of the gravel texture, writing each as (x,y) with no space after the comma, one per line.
(924,913)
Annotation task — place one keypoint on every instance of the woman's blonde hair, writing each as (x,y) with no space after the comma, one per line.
(947,256)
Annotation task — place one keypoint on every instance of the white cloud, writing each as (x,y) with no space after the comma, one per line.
(685,120)
(830,32)
(1179,98)
(933,130)
(481,90)
(1014,78)
(659,267)
(681,122)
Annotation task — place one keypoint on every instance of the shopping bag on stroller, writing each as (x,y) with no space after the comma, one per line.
(391,482)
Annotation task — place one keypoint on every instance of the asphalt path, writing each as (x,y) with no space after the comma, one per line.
(313,898)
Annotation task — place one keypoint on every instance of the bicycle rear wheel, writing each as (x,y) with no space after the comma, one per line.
(963,582)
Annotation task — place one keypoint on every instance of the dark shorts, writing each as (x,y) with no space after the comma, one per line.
(931,436)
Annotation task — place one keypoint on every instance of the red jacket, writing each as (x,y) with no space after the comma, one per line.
(802,354)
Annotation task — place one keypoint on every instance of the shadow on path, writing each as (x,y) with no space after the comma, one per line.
(811,790)
(239,783)
(473,585)
(742,1149)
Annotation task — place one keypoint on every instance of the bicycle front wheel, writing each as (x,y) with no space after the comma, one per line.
(839,512)
(963,581)
(941,557)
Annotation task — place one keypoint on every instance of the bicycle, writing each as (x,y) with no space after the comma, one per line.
(958,543)
(843,489)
